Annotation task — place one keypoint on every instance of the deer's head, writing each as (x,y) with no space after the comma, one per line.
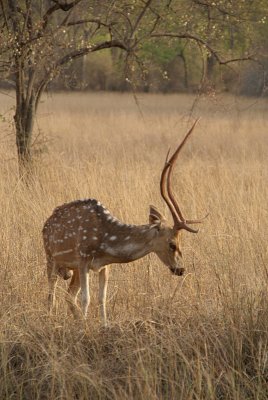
(168,241)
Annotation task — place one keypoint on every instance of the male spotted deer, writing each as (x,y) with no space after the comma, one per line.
(82,235)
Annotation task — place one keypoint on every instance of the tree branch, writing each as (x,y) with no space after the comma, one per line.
(58,6)
(143,11)
(205,44)
(72,56)
(90,49)
(88,21)
(66,6)
(4,15)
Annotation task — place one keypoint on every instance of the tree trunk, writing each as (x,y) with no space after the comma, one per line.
(210,67)
(185,69)
(24,119)
(24,127)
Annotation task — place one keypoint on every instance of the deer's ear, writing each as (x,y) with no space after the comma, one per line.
(155,217)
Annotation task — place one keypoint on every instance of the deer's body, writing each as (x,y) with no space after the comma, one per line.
(84,230)
(83,235)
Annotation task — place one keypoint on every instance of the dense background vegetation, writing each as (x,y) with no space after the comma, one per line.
(168,46)
(231,30)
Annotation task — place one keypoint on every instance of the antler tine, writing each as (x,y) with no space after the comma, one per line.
(166,162)
(196,221)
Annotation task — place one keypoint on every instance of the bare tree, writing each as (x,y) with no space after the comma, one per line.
(42,37)
(37,46)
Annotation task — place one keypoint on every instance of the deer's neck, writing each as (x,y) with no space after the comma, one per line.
(131,243)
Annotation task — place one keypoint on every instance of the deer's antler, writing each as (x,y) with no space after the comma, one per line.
(166,191)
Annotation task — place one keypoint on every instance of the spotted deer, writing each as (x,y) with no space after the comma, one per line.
(83,235)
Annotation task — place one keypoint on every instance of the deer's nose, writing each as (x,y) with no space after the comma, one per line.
(177,271)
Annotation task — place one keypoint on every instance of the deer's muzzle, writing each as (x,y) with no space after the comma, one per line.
(177,271)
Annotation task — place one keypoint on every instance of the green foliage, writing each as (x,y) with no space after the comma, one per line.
(160,53)
(222,28)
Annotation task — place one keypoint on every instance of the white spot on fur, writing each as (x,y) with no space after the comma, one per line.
(127,238)
(130,250)
(84,237)
(94,238)
(59,253)
(112,238)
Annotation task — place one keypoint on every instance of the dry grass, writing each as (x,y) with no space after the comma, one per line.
(201,337)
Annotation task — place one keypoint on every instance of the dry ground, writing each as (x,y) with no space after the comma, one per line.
(203,336)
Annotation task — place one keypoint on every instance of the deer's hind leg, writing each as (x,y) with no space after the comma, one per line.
(65,273)
(72,293)
(52,275)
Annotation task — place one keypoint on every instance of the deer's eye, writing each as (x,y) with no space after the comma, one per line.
(172,246)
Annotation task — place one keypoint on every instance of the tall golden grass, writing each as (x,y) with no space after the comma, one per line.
(203,336)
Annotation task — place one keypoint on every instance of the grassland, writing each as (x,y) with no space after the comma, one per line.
(203,336)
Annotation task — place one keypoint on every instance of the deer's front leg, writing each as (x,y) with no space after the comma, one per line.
(52,283)
(103,283)
(84,282)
